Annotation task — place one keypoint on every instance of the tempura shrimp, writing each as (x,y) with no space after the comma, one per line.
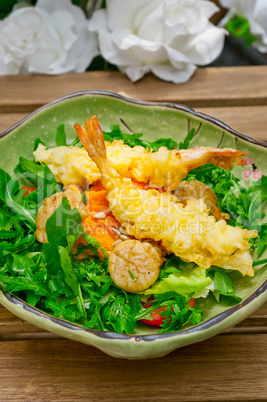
(163,168)
(187,231)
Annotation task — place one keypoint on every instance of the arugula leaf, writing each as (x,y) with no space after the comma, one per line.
(12,196)
(223,284)
(118,313)
(260,262)
(22,277)
(134,139)
(177,314)
(186,142)
(243,205)
(61,136)
(93,244)
(59,226)
(71,278)
(37,141)
(40,176)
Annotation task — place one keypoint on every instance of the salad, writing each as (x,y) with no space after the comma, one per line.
(108,234)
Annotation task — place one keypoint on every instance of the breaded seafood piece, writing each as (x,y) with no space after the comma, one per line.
(164,168)
(198,190)
(187,231)
(134,266)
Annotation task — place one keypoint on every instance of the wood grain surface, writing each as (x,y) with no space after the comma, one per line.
(37,365)
(209,87)
(219,369)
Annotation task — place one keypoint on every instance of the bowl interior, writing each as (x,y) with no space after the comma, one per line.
(154,121)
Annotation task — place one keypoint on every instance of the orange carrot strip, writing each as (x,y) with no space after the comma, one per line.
(217,213)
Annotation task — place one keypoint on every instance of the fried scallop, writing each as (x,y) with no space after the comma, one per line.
(197,190)
(134,266)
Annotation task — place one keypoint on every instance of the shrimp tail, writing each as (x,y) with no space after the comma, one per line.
(224,157)
(92,138)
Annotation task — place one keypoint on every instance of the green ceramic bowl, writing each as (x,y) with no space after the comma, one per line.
(155,121)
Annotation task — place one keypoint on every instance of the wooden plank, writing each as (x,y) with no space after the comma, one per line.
(8,119)
(249,120)
(223,368)
(209,87)
(11,326)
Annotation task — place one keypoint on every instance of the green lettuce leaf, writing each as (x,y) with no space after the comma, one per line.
(183,282)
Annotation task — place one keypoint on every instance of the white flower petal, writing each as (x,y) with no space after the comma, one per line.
(98,22)
(207,8)
(50,38)
(135,72)
(64,22)
(151,27)
(128,14)
(149,56)
(112,53)
(204,48)
(169,73)
(167,37)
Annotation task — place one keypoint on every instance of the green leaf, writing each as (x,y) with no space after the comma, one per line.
(224,286)
(61,136)
(93,244)
(118,316)
(39,176)
(186,142)
(134,139)
(184,282)
(6,7)
(61,224)
(132,275)
(239,27)
(37,141)
(33,299)
(71,278)
(12,196)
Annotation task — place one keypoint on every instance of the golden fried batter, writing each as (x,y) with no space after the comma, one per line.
(187,231)
(134,266)
(163,168)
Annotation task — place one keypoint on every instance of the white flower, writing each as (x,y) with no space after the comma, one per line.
(255,11)
(165,37)
(50,38)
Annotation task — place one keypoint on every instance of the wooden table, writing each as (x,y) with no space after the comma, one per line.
(232,366)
